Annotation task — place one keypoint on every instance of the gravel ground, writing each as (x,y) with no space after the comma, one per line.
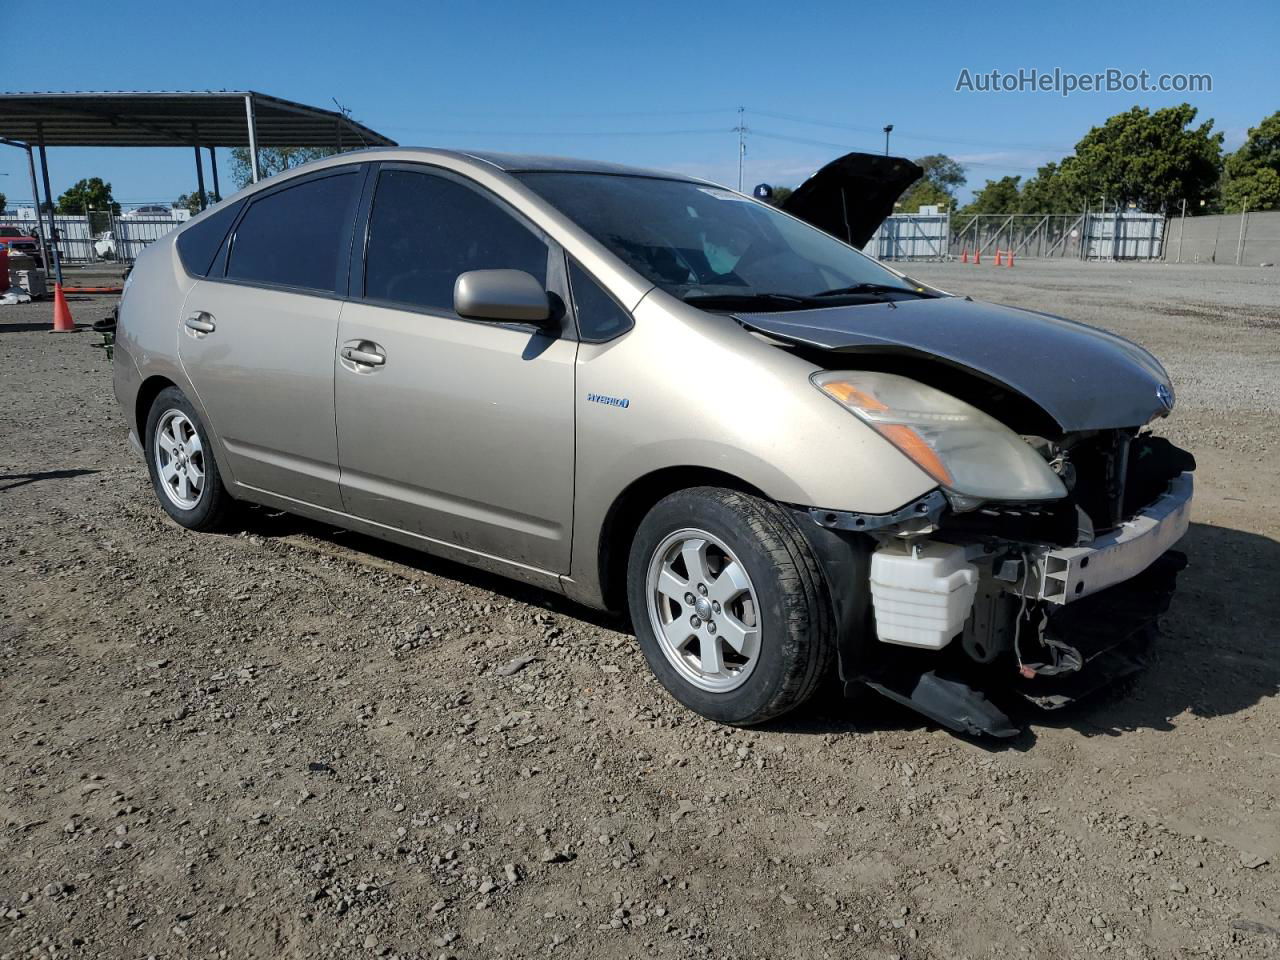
(294,741)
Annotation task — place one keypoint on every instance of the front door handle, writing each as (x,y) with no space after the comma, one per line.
(361,355)
(201,322)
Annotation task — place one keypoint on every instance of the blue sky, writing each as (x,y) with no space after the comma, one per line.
(656,83)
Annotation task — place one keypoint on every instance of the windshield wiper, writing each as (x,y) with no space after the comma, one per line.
(731,300)
(869,288)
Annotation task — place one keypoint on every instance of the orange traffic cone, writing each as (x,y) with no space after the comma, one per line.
(62,322)
(964,254)
(977,255)
(1010,263)
(999,257)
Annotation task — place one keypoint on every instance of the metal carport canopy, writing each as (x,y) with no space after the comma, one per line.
(207,118)
(171,118)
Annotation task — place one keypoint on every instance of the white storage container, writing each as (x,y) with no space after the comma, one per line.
(922,597)
(31,281)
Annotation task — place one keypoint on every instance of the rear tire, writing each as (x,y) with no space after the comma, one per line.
(729,605)
(180,460)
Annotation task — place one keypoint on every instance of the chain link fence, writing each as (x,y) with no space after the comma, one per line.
(101,235)
(1088,235)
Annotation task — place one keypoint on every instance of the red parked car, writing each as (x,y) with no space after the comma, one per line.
(18,240)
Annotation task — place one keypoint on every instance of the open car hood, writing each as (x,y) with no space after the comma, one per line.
(851,195)
(1082,377)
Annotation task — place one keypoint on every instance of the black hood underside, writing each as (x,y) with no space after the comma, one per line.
(851,195)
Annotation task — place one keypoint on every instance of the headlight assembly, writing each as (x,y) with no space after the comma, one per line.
(967,452)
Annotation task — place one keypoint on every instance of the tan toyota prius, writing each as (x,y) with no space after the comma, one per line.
(783,459)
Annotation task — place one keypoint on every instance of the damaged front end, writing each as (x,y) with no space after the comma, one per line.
(1042,560)
(1040,563)
(1048,601)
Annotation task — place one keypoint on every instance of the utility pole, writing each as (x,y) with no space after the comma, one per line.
(741,131)
(1244,230)
(888,129)
(1182,230)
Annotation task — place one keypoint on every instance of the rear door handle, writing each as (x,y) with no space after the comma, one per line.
(201,322)
(362,355)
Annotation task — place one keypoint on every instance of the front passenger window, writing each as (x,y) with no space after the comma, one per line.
(425,229)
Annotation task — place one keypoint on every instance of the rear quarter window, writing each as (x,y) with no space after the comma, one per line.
(198,244)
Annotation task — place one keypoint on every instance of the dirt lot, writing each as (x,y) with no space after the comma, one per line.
(293,741)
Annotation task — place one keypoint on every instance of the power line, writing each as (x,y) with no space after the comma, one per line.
(439,131)
(705,131)
(865,149)
(908,136)
(577,114)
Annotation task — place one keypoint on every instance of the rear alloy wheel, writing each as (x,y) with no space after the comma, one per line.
(729,605)
(180,461)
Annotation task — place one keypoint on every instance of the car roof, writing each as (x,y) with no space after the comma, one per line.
(530,162)
(520,162)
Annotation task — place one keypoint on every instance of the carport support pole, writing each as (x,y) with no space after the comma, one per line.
(204,200)
(213,167)
(252,123)
(48,198)
(195,145)
(35,197)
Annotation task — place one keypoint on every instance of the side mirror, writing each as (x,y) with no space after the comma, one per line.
(501,295)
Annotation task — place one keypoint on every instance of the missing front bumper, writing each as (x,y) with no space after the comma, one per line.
(1111,630)
(1050,625)
(923,590)
(1066,574)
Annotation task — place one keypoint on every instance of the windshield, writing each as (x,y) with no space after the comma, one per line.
(704,243)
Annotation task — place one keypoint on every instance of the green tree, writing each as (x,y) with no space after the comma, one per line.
(1152,159)
(924,193)
(942,170)
(998,196)
(937,186)
(1253,171)
(780,195)
(3,202)
(88,194)
(191,201)
(1050,192)
(273,160)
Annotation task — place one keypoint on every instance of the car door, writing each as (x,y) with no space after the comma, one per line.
(259,334)
(459,431)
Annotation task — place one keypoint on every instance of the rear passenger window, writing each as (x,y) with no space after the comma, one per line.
(600,317)
(424,230)
(198,244)
(296,237)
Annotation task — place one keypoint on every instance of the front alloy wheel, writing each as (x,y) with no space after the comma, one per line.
(704,610)
(729,604)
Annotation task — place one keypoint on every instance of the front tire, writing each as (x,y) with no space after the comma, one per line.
(729,605)
(180,460)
